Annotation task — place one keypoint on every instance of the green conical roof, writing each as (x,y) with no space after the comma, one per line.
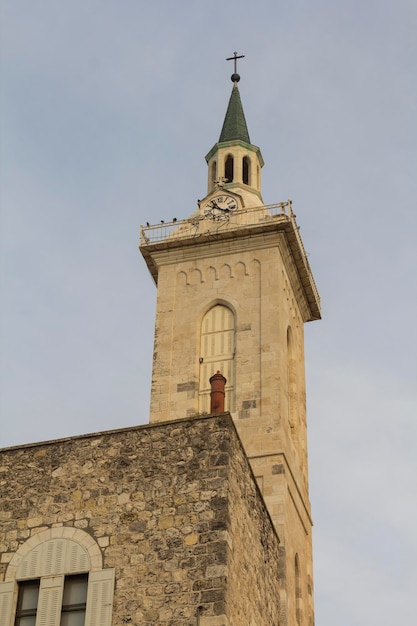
(234,125)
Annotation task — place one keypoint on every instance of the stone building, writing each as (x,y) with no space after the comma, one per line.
(168,517)
(196,519)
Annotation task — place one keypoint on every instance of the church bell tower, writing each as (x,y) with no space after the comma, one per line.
(234,291)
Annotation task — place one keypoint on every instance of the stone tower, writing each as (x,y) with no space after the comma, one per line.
(234,290)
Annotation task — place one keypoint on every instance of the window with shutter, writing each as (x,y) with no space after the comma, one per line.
(56,585)
(217,354)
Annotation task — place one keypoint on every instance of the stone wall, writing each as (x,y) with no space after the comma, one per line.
(173,507)
(253,585)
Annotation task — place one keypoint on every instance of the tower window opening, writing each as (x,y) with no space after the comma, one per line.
(246,170)
(298,592)
(213,173)
(229,168)
(292,387)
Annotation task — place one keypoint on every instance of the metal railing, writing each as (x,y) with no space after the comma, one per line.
(198,225)
(191,227)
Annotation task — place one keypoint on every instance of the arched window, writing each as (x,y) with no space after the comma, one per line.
(298,594)
(58,580)
(217,354)
(229,168)
(246,170)
(213,173)
(291,384)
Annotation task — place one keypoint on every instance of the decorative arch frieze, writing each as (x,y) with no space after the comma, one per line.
(195,276)
(226,271)
(240,269)
(182,278)
(211,273)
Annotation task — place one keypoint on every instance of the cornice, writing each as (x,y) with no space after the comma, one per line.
(282,234)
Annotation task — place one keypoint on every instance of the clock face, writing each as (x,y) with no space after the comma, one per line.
(220,207)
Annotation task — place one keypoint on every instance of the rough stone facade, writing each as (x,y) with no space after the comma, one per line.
(173,507)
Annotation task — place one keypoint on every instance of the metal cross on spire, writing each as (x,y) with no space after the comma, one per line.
(234,58)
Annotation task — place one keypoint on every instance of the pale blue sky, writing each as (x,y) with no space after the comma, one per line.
(107,111)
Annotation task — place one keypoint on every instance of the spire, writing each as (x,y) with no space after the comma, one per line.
(233,159)
(234,125)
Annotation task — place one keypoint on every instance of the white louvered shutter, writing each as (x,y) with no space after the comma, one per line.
(77,559)
(30,566)
(50,601)
(6,603)
(55,556)
(100,598)
(217,353)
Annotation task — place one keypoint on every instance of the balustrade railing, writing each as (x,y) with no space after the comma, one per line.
(190,227)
